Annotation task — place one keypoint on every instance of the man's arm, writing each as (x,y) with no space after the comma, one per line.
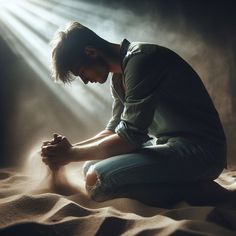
(111,145)
(99,136)
(63,152)
(117,109)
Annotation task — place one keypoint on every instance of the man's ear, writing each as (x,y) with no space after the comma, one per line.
(91,51)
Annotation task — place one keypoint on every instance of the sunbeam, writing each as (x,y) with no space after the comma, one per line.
(30,25)
(67,168)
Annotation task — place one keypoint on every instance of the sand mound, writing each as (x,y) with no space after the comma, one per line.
(29,206)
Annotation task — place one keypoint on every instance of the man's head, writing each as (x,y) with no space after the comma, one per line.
(78,51)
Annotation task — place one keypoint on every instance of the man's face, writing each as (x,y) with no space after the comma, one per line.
(93,69)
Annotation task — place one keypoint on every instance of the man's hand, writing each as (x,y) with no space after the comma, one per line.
(56,139)
(57,152)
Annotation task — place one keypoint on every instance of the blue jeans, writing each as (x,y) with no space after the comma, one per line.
(177,160)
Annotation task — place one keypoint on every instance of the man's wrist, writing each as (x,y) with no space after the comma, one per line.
(74,154)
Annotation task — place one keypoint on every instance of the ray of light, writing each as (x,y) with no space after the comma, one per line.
(28,26)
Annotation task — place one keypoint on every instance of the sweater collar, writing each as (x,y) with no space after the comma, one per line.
(123,51)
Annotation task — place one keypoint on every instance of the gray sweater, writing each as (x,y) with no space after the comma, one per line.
(160,94)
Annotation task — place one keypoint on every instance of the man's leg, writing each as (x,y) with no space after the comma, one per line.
(86,167)
(174,166)
(166,195)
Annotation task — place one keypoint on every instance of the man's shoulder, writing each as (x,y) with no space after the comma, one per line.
(141,47)
(144,50)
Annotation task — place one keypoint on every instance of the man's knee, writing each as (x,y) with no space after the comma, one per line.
(86,167)
(91,177)
(94,186)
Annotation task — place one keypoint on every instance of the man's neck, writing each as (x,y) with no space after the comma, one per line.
(114,61)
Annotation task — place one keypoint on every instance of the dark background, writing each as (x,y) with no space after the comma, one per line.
(21,92)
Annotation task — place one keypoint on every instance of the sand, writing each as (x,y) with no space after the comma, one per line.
(31,205)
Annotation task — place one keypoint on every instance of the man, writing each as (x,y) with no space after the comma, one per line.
(156,93)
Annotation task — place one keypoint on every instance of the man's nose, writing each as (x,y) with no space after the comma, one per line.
(85,81)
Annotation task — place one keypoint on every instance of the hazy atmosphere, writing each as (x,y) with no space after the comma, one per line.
(177,187)
(33,107)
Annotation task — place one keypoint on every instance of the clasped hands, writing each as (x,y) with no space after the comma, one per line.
(57,152)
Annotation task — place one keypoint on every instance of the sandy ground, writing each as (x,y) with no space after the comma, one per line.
(30,205)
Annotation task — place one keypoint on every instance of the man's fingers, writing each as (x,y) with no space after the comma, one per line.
(50,147)
(47,154)
(46,143)
(50,160)
(57,139)
(45,160)
(51,163)
(48,150)
(55,136)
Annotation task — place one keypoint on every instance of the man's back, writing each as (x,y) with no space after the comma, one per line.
(162,96)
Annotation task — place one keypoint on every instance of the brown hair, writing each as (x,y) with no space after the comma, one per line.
(68,47)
